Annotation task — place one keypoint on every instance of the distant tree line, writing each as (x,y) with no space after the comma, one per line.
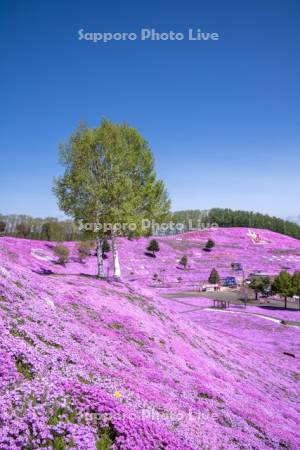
(52,229)
(231,218)
(48,229)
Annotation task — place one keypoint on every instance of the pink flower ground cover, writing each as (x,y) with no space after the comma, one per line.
(88,364)
(280,314)
(277,253)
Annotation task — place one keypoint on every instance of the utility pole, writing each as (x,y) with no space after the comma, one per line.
(245,292)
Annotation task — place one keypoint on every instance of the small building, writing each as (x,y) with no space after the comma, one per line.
(229,282)
(237,267)
(210,287)
(257,273)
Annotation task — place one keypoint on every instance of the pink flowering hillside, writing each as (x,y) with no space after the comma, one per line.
(88,364)
(255,249)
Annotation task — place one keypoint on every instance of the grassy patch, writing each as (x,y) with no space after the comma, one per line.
(60,443)
(139,342)
(22,335)
(104,443)
(106,437)
(116,326)
(69,413)
(25,368)
(5,308)
(48,343)
(204,395)
(20,321)
(84,380)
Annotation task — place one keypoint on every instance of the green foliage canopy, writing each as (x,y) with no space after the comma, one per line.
(214,277)
(153,246)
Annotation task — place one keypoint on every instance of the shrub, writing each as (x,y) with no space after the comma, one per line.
(62,253)
(153,246)
(25,368)
(214,277)
(184,261)
(209,244)
(84,250)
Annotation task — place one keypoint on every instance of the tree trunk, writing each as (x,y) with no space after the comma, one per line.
(100,258)
(256,295)
(114,247)
(285,300)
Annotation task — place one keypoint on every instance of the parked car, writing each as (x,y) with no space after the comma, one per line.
(266,293)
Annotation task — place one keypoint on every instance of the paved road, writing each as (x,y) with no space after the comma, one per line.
(235,298)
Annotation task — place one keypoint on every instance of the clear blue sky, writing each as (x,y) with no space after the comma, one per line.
(222,118)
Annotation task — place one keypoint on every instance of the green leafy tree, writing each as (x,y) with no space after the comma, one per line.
(46,231)
(296,285)
(282,285)
(210,244)
(2,226)
(62,253)
(84,250)
(259,284)
(184,261)
(23,230)
(214,277)
(153,246)
(53,230)
(109,178)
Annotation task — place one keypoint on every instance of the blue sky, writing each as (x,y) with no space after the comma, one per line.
(222,118)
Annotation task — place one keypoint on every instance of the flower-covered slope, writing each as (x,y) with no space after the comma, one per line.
(255,250)
(86,364)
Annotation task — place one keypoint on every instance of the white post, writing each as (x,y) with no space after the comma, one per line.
(100,258)
(116,262)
